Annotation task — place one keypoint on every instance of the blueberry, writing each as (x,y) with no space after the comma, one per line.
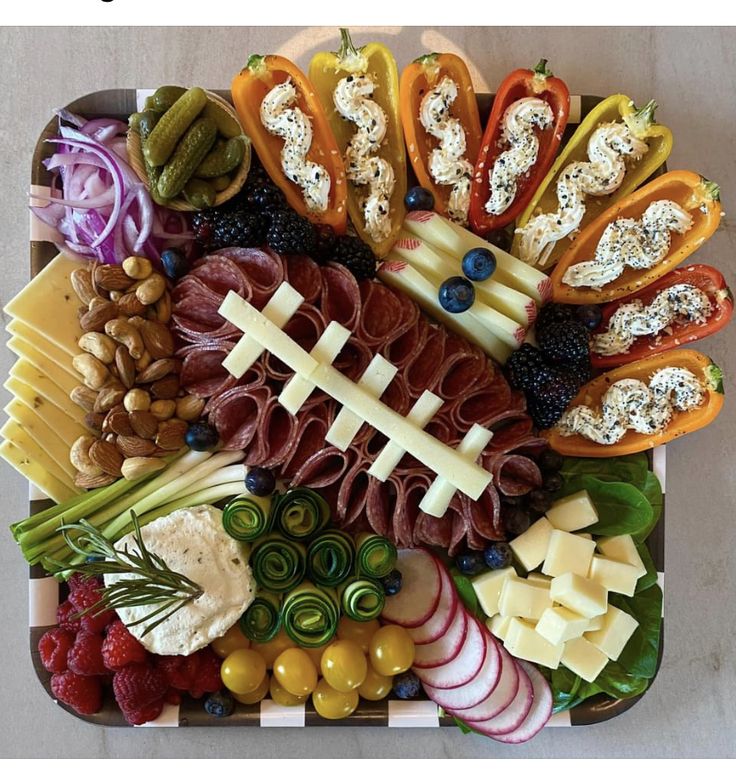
(589,315)
(551,482)
(419,198)
(470,564)
(407,686)
(201,437)
(478,264)
(457,294)
(515,520)
(498,556)
(392,583)
(260,481)
(220,704)
(174,264)
(550,460)
(539,501)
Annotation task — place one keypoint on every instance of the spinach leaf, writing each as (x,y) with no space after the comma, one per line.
(651,577)
(631,469)
(467,593)
(617,682)
(639,656)
(652,490)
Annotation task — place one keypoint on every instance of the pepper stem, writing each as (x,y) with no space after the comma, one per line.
(711,190)
(255,62)
(349,57)
(714,375)
(641,119)
(426,59)
(541,69)
(347,48)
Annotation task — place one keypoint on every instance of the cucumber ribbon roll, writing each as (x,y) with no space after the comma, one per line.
(278,564)
(362,599)
(247,517)
(375,555)
(262,619)
(310,615)
(330,558)
(300,513)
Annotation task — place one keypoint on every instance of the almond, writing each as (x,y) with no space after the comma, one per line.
(106,456)
(81,280)
(143,361)
(157,370)
(125,365)
(117,421)
(171,434)
(130,305)
(94,420)
(84,397)
(189,407)
(166,388)
(134,468)
(133,446)
(86,481)
(144,424)
(109,396)
(98,316)
(163,308)
(111,277)
(157,339)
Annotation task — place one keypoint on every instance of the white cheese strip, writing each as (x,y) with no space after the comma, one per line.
(23,417)
(399,274)
(58,422)
(65,379)
(266,333)
(327,348)
(41,383)
(275,716)
(56,354)
(427,405)
(26,437)
(36,472)
(375,379)
(280,308)
(438,496)
(43,599)
(413,714)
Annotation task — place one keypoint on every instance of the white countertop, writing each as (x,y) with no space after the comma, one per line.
(690,710)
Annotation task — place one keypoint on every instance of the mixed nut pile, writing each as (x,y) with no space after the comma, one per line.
(136,409)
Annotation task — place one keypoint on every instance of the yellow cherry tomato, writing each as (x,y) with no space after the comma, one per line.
(316,655)
(281,696)
(375,687)
(295,671)
(332,704)
(243,670)
(233,639)
(391,650)
(359,632)
(254,696)
(344,665)
(270,650)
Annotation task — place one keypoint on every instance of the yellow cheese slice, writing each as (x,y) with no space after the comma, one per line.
(36,473)
(62,378)
(26,373)
(43,344)
(59,423)
(49,305)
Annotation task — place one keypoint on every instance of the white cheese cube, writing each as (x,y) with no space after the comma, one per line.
(522,641)
(623,549)
(498,625)
(581,595)
(539,579)
(567,553)
(594,624)
(523,599)
(584,659)
(586,535)
(558,624)
(488,588)
(616,631)
(530,547)
(613,575)
(573,512)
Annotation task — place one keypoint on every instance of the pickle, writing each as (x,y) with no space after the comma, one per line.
(172,125)
(189,153)
(145,122)
(227,126)
(200,193)
(164,97)
(221,183)
(223,158)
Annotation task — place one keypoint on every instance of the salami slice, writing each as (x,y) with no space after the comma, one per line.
(262,270)
(303,274)
(422,372)
(483,407)
(352,495)
(277,436)
(380,505)
(405,348)
(484,514)
(325,467)
(383,317)
(432,531)
(310,438)
(195,312)
(220,275)
(513,474)
(353,359)
(340,296)
(465,371)
(304,327)
(202,373)
(407,511)
(510,436)
(237,415)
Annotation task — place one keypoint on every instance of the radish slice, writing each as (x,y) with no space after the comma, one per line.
(539,713)
(445,647)
(466,664)
(442,617)
(513,716)
(478,689)
(421,582)
(503,694)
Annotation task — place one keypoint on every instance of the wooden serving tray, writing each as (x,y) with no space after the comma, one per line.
(45,593)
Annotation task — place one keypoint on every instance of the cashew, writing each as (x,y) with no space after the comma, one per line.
(137,267)
(99,345)
(137,400)
(79,456)
(143,362)
(151,289)
(124,333)
(93,371)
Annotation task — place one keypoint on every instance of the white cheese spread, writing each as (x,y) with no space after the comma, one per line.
(629,404)
(295,128)
(192,542)
(519,121)
(608,148)
(364,165)
(679,303)
(639,244)
(447,164)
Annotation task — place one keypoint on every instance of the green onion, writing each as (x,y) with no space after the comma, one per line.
(247,517)
(278,564)
(330,558)
(362,599)
(300,513)
(310,615)
(261,622)
(375,555)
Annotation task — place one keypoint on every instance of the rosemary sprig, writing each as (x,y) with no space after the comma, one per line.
(154,582)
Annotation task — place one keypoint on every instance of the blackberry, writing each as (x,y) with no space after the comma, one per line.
(356,256)
(266,197)
(564,343)
(581,372)
(526,368)
(325,247)
(548,405)
(290,233)
(218,228)
(553,313)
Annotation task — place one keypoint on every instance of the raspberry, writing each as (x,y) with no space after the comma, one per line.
(121,648)
(80,581)
(84,597)
(207,679)
(85,656)
(65,617)
(81,692)
(54,647)
(180,671)
(140,715)
(173,697)
(138,685)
